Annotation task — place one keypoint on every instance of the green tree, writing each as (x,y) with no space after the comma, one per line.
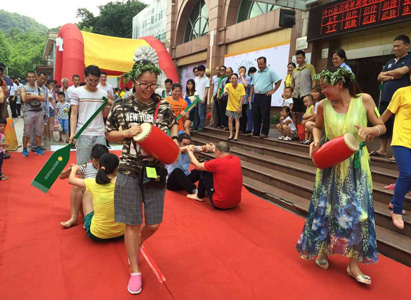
(87,19)
(4,49)
(27,51)
(115,18)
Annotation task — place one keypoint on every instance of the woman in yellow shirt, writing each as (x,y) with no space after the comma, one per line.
(400,105)
(288,79)
(235,92)
(99,211)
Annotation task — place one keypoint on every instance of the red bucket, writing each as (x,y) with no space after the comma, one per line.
(158,144)
(335,151)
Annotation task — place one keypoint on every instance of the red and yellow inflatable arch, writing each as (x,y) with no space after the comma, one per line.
(111,54)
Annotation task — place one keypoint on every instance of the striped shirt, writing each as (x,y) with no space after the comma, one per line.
(88,103)
(87,171)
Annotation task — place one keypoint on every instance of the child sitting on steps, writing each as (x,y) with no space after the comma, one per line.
(308,116)
(286,127)
(317,95)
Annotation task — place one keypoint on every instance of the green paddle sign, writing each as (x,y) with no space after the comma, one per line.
(59,159)
(190,106)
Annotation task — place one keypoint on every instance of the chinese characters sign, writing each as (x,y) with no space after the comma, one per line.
(152,21)
(346,16)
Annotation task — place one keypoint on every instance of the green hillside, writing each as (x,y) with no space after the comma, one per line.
(13,20)
(21,43)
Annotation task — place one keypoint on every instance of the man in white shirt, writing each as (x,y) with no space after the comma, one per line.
(85,101)
(76,83)
(17,96)
(167,92)
(12,99)
(214,106)
(110,92)
(202,86)
(64,88)
(105,86)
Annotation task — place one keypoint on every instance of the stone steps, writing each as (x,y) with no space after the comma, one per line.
(283,173)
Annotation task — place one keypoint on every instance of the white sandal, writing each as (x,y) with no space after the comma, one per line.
(360,278)
(322,263)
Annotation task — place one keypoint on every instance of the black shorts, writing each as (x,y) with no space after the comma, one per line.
(390,122)
(192,114)
(298,105)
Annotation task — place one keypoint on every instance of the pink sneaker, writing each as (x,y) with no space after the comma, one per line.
(135,284)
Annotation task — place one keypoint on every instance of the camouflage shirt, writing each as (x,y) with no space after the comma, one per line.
(137,112)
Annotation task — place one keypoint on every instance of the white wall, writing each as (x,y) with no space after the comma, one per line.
(277,59)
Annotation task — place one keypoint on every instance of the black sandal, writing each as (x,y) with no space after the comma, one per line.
(376,154)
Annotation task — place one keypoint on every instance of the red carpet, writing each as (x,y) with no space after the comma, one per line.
(245,253)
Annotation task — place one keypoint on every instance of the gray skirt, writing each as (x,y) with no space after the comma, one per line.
(128,202)
(233,114)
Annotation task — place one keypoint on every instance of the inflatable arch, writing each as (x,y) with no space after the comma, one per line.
(77,49)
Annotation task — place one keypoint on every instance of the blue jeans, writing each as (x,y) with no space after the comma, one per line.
(200,117)
(403,185)
(64,123)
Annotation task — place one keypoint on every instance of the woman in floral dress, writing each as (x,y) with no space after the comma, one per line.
(341,215)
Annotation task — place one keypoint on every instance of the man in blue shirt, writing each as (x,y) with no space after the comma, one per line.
(246,82)
(395,75)
(262,88)
(179,175)
(214,106)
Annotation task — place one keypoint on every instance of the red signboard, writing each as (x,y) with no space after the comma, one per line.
(352,15)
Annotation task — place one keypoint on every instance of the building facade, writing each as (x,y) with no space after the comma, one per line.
(217,32)
(365,29)
(151,21)
(49,53)
(232,32)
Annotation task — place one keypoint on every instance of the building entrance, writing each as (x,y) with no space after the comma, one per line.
(366,72)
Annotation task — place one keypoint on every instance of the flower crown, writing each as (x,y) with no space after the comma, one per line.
(139,68)
(334,77)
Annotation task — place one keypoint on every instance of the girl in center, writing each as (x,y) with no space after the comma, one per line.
(235,92)
(131,192)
